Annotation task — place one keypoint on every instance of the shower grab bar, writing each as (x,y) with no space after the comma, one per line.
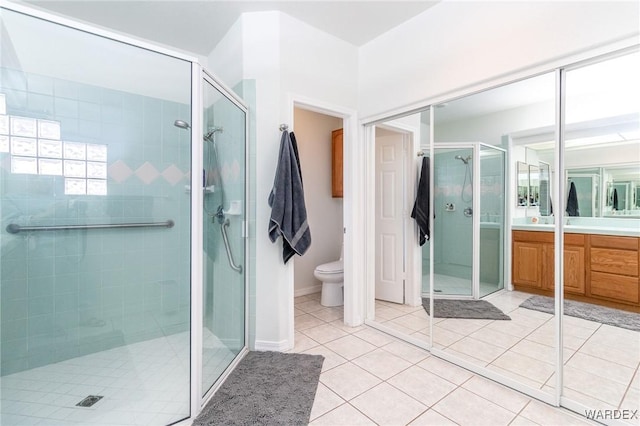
(14,228)
(223,227)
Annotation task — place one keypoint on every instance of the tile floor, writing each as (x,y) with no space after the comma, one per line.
(602,362)
(369,377)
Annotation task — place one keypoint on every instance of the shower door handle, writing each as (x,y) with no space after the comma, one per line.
(223,228)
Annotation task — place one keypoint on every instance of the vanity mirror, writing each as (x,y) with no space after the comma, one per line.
(522,183)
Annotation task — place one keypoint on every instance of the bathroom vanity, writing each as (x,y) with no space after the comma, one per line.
(599,267)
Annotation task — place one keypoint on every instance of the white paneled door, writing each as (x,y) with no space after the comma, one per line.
(390,195)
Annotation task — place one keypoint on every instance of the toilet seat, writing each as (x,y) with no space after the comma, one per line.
(336,267)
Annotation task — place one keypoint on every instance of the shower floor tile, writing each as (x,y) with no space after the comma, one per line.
(145,383)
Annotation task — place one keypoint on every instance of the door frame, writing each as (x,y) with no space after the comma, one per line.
(351,217)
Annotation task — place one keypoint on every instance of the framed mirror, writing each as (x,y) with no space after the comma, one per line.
(522,183)
(534,185)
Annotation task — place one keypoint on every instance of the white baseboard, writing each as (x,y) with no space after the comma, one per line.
(307,290)
(266,345)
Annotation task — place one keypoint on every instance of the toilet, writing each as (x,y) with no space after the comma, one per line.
(332,276)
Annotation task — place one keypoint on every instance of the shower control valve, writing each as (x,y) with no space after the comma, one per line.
(449,207)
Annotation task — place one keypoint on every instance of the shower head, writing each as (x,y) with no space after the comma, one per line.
(212,131)
(464,160)
(182,124)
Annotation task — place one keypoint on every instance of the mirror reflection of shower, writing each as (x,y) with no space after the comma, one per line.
(467,176)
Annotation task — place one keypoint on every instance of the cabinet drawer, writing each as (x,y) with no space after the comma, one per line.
(533,236)
(608,241)
(623,262)
(615,287)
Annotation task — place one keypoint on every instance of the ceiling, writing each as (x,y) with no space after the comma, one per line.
(198,26)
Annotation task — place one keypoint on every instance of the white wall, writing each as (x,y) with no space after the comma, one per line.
(454,45)
(287,59)
(313,133)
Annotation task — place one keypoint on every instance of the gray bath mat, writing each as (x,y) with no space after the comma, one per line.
(266,388)
(468,309)
(588,311)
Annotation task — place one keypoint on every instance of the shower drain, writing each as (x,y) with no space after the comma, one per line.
(89,401)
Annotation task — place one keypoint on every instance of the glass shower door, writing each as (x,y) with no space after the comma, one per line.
(453,224)
(492,219)
(223,177)
(95,232)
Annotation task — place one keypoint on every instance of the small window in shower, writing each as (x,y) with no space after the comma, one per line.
(36,148)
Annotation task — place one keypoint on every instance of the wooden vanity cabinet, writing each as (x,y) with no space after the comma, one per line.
(533,261)
(601,269)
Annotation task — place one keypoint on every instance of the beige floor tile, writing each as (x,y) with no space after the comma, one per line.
(531,368)
(324,333)
(344,415)
(463,326)
(381,363)
(545,414)
(477,349)
(631,401)
(521,379)
(348,380)
(386,405)
(443,337)
(309,306)
(350,347)
(522,421)
(594,386)
(602,349)
(432,418)
(297,312)
(331,359)
(495,337)
(384,313)
(511,327)
(328,314)
(422,385)
(399,328)
(325,401)
(411,322)
(497,393)
(446,370)
(302,342)
(464,407)
(464,357)
(602,368)
(587,401)
(535,350)
(406,351)
(302,322)
(375,337)
(346,328)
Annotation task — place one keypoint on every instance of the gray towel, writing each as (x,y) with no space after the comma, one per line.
(420,210)
(572,201)
(288,211)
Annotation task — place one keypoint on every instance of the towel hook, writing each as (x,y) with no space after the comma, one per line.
(284,127)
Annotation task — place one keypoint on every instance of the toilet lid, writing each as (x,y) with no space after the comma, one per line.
(331,267)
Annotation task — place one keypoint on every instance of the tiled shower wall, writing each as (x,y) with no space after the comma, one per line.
(70,293)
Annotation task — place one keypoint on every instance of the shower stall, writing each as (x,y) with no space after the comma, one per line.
(469,221)
(122,241)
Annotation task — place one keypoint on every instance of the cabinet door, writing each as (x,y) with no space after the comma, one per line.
(574,269)
(527,264)
(336,163)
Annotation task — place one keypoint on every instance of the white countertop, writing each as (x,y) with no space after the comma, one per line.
(580,229)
